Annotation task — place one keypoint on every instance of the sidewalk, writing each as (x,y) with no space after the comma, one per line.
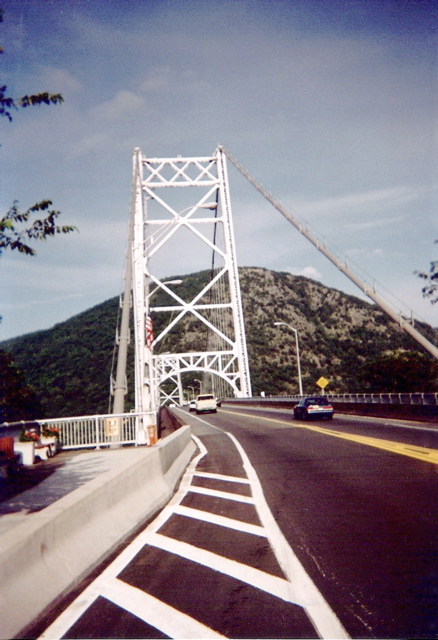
(67,514)
(40,485)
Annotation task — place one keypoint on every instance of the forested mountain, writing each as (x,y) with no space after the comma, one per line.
(69,365)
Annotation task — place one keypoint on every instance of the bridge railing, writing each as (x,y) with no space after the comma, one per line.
(388,398)
(99,430)
(362,398)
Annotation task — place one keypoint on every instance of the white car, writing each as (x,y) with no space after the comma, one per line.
(192,405)
(206,403)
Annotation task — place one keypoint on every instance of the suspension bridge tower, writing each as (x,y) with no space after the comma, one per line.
(181,219)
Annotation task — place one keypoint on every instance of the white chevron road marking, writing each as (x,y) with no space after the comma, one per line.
(214,493)
(296,588)
(156,613)
(278,587)
(220,476)
(223,521)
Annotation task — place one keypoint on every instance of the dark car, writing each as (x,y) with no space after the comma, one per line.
(315,407)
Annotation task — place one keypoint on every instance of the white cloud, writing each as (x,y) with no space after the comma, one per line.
(308,272)
(89,144)
(351,203)
(360,252)
(373,224)
(157,79)
(57,80)
(123,105)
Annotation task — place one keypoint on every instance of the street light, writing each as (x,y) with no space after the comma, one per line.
(200,386)
(205,205)
(193,391)
(161,284)
(277,324)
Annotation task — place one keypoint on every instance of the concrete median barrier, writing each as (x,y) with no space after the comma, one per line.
(45,556)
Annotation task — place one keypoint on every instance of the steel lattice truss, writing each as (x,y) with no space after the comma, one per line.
(181,209)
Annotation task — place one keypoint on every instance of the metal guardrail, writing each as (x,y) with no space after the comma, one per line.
(98,431)
(424,399)
(101,430)
(389,398)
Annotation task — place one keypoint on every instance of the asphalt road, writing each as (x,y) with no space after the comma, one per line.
(280,529)
(362,519)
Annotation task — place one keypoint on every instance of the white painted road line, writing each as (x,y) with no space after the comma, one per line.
(219,476)
(297,588)
(156,613)
(322,616)
(226,495)
(69,617)
(266,582)
(212,518)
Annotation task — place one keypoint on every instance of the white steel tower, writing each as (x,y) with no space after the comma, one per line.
(182,215)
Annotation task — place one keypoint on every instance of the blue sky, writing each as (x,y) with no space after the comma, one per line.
(331,105)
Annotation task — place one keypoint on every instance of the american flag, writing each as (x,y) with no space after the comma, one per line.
(149,332)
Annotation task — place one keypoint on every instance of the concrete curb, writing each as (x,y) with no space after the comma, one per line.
(42,558)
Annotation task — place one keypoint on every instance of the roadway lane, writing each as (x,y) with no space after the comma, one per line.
(281,529)
(212,564)
(361,519)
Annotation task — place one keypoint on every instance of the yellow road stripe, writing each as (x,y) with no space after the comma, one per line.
(412,451)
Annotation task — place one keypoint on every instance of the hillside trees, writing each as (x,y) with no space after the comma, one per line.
(401,372)
(70,365)
(18,401)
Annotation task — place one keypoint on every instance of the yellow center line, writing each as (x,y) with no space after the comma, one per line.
(412,451)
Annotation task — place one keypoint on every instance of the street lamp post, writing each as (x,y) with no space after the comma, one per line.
(200,386)
(300,382)
(205,205)
(160,285)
